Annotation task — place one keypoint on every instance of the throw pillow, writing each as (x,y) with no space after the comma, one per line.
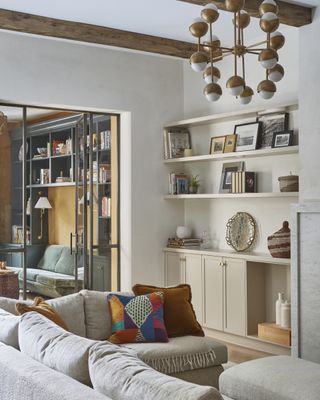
(137,319)
(46,342)
(179,316)
(9,325)
(43,308)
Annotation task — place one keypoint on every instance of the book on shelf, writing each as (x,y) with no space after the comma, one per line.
(105,140)
(104,173)
(178,183)
(243,182)
(183,243)
(105,206)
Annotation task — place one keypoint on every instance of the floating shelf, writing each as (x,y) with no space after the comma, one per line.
(231,195)
(227,116)
(236,155)
(248,256)
(51,185)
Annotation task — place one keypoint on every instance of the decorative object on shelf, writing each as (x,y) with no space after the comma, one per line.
(206,242)
(183,232)
(217,144)
(279,302)
(187,153)
(42,152)
(105,140)
(183,243)
(44,176)
(241,231)
(230,143)
(17,234)
(194,183)
(28,206)
(42,204)
(248,136)
(271,121)
(178,183)
(56,147)
(289,183)
(282,139)
(286,315)
(226,175)
(20,155)
(105,207)
(211,51)
(175,142)
(243,182)
(4,270)
(279,242)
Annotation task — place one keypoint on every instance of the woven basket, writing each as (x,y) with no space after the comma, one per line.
(9,286)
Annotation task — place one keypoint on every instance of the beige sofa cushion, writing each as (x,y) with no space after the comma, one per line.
(181,354)
(118,373)
(44,341)
(9,327)
(98,319)
(70,308)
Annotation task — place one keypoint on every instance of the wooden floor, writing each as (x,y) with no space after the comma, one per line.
(239,354)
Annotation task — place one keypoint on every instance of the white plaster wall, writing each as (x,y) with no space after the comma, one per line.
(309,79)
(148,88)
(195,104)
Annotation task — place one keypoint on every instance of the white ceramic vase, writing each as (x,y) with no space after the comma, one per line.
(183,232)
(278,308)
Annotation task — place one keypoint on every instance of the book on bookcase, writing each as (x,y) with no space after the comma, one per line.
(178,183)
(243,182)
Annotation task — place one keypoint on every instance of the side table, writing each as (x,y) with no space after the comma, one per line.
(9,285)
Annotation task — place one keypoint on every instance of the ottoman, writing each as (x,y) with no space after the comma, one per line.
(272,378)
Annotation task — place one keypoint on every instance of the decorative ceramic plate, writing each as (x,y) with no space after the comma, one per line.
(241,231)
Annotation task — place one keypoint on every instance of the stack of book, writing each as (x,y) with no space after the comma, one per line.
(183,243)
(178,183)
(105,140)
(106,206)
(243,182)
(105,173)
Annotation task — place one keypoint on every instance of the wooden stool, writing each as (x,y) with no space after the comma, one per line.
(9,285)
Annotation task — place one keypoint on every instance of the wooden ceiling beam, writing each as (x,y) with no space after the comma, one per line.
(38,25)
(289,14)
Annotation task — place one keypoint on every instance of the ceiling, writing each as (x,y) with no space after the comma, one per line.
(165,18)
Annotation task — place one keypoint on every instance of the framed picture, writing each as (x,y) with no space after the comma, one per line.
(271,123)
(230,143)
(217,144)
(182,185)
(226,175)
(175,142)
(247,136)
(282,139)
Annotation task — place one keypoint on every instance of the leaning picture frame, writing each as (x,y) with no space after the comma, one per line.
(226,175)
(175,142)
(271,123)
(248,136)
(282,139)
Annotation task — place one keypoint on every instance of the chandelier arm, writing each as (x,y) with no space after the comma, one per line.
(199,43)
(256,44)
(255,49)
(211,54)
(243,61)
(235,43)
(239,29)
(253,52)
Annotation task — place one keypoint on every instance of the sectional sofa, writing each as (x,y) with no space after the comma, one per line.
(195,360)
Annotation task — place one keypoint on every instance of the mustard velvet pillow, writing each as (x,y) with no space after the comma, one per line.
(179,316)
(43,308)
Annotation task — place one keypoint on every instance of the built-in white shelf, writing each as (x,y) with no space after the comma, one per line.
(236,155)
(248,256)
(221,117)
(231,196)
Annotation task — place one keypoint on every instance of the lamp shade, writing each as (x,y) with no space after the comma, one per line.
(43,202)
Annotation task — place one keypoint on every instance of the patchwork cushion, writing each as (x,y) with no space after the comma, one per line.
(272,378)
(9,326)
(181,354)
(43,308)
(179,316)
(117,373)
(46,342)
(137,319)
(98,319)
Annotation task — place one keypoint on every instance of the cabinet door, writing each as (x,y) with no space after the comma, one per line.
(213,292)
(235,296)
(193,277)
(173,268)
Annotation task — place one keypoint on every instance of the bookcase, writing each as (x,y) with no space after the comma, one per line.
(252,279)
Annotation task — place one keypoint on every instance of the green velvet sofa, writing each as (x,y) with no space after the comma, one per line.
(50,271)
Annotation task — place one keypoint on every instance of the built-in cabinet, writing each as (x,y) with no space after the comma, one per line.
(231,292)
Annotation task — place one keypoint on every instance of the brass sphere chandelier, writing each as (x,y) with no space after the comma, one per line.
(210,51)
